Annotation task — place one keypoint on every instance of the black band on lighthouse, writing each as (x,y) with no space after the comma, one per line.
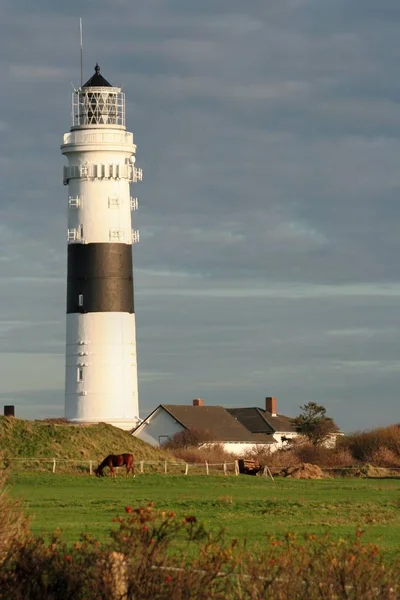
(100,278)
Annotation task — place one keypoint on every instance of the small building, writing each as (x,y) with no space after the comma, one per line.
(238,430)
(266,421)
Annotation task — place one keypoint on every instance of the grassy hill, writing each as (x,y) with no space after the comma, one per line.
(31,439)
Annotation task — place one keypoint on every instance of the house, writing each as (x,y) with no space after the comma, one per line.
(269,422)
(238,429)
(266,421)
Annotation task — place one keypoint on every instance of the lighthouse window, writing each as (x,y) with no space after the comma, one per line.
(116,234)
(79,374)
(113,202)
(81,232)
(80,299)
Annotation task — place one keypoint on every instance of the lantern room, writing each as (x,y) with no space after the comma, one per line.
(97,102)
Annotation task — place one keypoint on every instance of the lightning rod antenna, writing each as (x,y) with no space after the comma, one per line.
(81,40)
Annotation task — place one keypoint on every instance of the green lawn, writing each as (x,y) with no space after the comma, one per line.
(244,506)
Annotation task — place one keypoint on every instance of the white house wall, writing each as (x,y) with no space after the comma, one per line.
(241,448)
(158,428)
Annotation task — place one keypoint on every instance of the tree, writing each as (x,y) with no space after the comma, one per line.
(314,424)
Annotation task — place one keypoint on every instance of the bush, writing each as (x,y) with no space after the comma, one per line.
(52,571)
(328,458)
(384,457)
(14,525)
(213,453)
(364,446)
(188,438)
(302,451)
(158,555)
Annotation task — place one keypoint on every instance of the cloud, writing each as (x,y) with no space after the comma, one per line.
(36,73)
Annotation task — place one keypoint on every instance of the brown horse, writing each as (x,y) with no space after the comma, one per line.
(116,460)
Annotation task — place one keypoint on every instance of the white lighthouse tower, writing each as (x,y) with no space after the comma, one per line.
(101,362)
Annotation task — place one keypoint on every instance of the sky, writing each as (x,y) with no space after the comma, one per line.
(269,136)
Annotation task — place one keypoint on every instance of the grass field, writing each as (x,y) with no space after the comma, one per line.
(244,506)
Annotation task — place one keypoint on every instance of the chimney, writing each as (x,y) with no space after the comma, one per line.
(270,405)
(198,402)
(9,411)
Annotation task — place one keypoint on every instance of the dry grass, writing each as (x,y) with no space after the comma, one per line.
(214,453)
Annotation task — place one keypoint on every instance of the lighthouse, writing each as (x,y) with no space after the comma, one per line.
(101,383)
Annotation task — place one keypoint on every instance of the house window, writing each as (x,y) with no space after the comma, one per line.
(80,299)
(79,374)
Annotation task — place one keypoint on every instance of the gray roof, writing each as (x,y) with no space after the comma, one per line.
(279,423)
(97,80)
(217,421)
(257,420)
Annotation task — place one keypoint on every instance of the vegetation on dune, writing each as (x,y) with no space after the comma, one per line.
(31,439)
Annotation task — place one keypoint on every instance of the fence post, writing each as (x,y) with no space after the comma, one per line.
(54,465)
(91,467)
(268,472)
(206,468)
(165,467)
(225,471)
(141,466)
(236,467)
(186,468)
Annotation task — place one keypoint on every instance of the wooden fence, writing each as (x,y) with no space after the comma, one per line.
(142,466)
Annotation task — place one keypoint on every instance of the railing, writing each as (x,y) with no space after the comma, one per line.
(102,171)
(79,137)
(74,201)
